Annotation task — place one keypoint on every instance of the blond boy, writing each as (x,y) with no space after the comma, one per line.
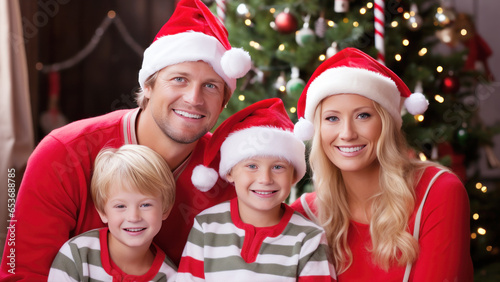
(133,191)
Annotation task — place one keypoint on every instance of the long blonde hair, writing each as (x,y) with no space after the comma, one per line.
(391,208)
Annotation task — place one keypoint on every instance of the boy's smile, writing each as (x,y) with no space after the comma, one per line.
(133,218)
(262,184)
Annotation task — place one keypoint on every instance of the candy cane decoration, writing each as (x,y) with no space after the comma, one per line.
(379,30)
(221,10)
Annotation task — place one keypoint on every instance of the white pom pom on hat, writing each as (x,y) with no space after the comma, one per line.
(351,71)
(416,104)
(261,129)
(192,34)
(204,178)
(304,129)
(236,62)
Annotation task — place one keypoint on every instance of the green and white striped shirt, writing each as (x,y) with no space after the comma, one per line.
(221,247)
(86,258)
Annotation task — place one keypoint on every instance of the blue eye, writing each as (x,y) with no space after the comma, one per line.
(179,79)
(120,206)
(332,119)
(146,205)
(364,115)
(252,166)
(210,85)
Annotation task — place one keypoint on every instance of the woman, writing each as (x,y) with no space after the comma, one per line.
(369,194)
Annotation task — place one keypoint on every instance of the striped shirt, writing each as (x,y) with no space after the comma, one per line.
(221,247)
(86,258)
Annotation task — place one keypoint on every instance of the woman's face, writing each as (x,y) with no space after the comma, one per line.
(350,129)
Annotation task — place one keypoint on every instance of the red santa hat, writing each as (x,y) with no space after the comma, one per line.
(351,71)
(192,34)
(261,129)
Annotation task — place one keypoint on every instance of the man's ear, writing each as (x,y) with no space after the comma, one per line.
(147,92)
(227,95)
(223,107)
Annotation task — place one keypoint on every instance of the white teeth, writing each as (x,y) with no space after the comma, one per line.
(264,192)
(134,229)
(350,149)
(188,115)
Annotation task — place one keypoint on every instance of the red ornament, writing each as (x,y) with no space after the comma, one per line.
(450,84)
(285,22)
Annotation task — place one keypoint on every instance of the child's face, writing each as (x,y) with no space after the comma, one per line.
(262,183)
(133,218)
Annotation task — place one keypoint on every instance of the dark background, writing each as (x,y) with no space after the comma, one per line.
(56,30)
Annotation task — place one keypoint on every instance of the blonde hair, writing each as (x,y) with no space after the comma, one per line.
(142,101)
(134,168)
(391,208)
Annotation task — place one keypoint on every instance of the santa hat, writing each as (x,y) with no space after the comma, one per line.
(261,129)
(192,34)
(351,71)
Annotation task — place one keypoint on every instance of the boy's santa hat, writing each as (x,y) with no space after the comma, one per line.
(193,34)
(351,71)
(261,129)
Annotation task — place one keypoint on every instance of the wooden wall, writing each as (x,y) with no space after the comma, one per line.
(56,30)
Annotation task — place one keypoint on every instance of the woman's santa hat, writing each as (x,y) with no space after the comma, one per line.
(261,129)
(192,34)
(351,71)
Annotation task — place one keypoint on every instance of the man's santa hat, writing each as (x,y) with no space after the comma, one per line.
(192,34)
(261,129)
(351,71)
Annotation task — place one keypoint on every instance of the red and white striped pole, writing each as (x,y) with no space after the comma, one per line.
(221,10)
(379,30)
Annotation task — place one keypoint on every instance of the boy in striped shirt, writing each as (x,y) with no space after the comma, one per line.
(255,237)
(133,191)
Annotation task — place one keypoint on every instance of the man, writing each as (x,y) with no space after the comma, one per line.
(188,74)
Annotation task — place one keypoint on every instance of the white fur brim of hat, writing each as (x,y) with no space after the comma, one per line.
(346,80)
(262,141)
(194,46)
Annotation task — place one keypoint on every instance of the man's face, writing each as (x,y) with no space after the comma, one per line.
(186,100)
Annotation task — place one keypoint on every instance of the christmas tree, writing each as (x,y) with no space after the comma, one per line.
(288,39)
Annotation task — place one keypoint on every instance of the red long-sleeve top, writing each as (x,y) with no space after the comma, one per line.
(444,237)
(54,202)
